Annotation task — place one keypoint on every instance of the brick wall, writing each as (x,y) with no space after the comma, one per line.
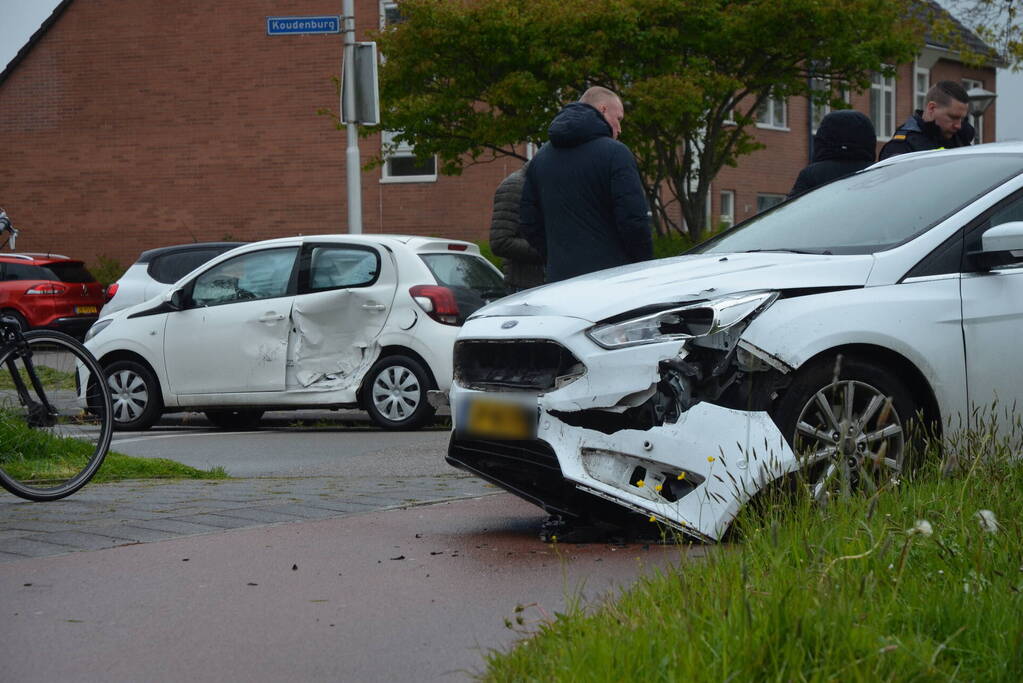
(141,124)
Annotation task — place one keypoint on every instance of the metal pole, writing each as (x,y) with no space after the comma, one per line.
(353,168)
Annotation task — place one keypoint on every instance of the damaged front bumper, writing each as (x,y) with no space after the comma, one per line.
(676,432)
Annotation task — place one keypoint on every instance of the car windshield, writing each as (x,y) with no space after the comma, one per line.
(472,280)
(871,211)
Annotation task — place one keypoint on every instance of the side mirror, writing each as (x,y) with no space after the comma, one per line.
(1001,245)
(177,300)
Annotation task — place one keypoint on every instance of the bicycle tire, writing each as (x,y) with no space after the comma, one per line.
(56,419)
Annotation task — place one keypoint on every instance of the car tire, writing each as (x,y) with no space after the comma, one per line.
(856,449)
(18,318)
(135,395)
(394,393)
(235,419)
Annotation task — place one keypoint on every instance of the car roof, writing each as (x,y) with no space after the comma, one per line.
(36,258)
(414,242)
(1012,147)
(150,254)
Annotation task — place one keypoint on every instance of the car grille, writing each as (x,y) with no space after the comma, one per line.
(535,365)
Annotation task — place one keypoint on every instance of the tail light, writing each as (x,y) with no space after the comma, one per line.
(110,291)
(438,302)
(51,288)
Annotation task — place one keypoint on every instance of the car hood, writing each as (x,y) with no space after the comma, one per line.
(606,293)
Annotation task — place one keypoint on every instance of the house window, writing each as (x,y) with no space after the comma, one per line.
(921,84)
(389,14)
(400,163)
(726,217)
(819,111)
(882,105)
(766,201)
(977,121)
(773,113)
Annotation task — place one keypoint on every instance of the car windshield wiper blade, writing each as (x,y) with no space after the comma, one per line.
(785,251)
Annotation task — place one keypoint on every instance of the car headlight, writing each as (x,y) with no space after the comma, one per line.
(682,322)
(97,327)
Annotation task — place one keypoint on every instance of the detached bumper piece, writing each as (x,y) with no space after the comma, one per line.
(530,470)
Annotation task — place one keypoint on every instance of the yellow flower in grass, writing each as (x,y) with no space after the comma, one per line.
(711,458)
(658,488)
(682,476)
(640,483)
(652,518)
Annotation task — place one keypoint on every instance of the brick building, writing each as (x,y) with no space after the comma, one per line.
(132,125)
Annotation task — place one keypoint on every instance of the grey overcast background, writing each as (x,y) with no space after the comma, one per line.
(19,19)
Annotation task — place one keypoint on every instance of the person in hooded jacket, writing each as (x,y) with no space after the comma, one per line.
(583,206)
(523,265)
(845,142)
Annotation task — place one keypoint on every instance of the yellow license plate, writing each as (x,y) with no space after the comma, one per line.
(83,310)
(497,419)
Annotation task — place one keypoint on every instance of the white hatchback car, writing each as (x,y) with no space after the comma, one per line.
(324,321)
(810,336)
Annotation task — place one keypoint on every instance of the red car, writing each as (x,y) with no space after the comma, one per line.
(49,290)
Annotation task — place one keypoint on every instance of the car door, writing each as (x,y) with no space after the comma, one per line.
(345,293)
(993,324)
(233,335)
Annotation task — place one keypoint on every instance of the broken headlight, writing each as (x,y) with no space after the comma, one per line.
(682,322)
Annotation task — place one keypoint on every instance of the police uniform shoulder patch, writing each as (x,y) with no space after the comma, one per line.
(900,136)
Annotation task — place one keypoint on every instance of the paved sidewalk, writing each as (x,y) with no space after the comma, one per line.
(109,515)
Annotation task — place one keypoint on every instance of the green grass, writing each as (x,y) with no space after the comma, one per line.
(50,377)
(38,456)
(856,591)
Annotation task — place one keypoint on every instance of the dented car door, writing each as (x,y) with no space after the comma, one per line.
(345,296)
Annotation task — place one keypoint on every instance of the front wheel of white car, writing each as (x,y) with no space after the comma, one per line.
(849,422)
(135,395)
(394,393)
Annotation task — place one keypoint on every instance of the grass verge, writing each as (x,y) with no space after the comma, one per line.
(918,583)
(39,456)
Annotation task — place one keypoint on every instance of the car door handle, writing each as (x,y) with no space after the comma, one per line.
(271,317)
(374,307)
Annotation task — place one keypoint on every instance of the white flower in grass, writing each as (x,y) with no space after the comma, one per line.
(922,527)
(988,521)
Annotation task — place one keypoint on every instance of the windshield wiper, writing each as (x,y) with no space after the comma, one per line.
(787,251)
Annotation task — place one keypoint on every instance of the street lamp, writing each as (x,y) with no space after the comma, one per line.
(980,100)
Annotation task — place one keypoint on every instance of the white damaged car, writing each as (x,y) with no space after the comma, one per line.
(810,336)
(322,321)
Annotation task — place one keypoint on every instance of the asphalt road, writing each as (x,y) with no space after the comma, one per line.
(339,554)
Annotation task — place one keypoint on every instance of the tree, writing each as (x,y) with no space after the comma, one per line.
(472,80)
(999,23)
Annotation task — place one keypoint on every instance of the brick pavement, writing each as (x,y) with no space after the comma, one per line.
(108,515)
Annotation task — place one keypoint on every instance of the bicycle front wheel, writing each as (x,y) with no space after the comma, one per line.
(55,417)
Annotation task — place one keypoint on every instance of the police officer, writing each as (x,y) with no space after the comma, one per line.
(940,124)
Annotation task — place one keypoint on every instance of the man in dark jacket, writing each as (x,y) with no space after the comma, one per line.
(844,143)
(940,124)
(583,205)
(523,265)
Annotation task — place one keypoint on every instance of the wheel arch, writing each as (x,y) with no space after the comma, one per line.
(122,354)
(405,351)
(903,368)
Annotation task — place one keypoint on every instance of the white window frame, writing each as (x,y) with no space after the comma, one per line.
(726,199)
(880,87)
(384,6)
(775,108)
(824,109)
(977,121)
(920,95)
(398,150)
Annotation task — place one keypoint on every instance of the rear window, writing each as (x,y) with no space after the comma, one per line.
(71,271)
(472,280)
(169,268)
(68,271)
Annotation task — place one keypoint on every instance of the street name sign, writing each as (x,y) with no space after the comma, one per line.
(287,26)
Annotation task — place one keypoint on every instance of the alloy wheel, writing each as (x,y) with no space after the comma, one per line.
(849,437)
